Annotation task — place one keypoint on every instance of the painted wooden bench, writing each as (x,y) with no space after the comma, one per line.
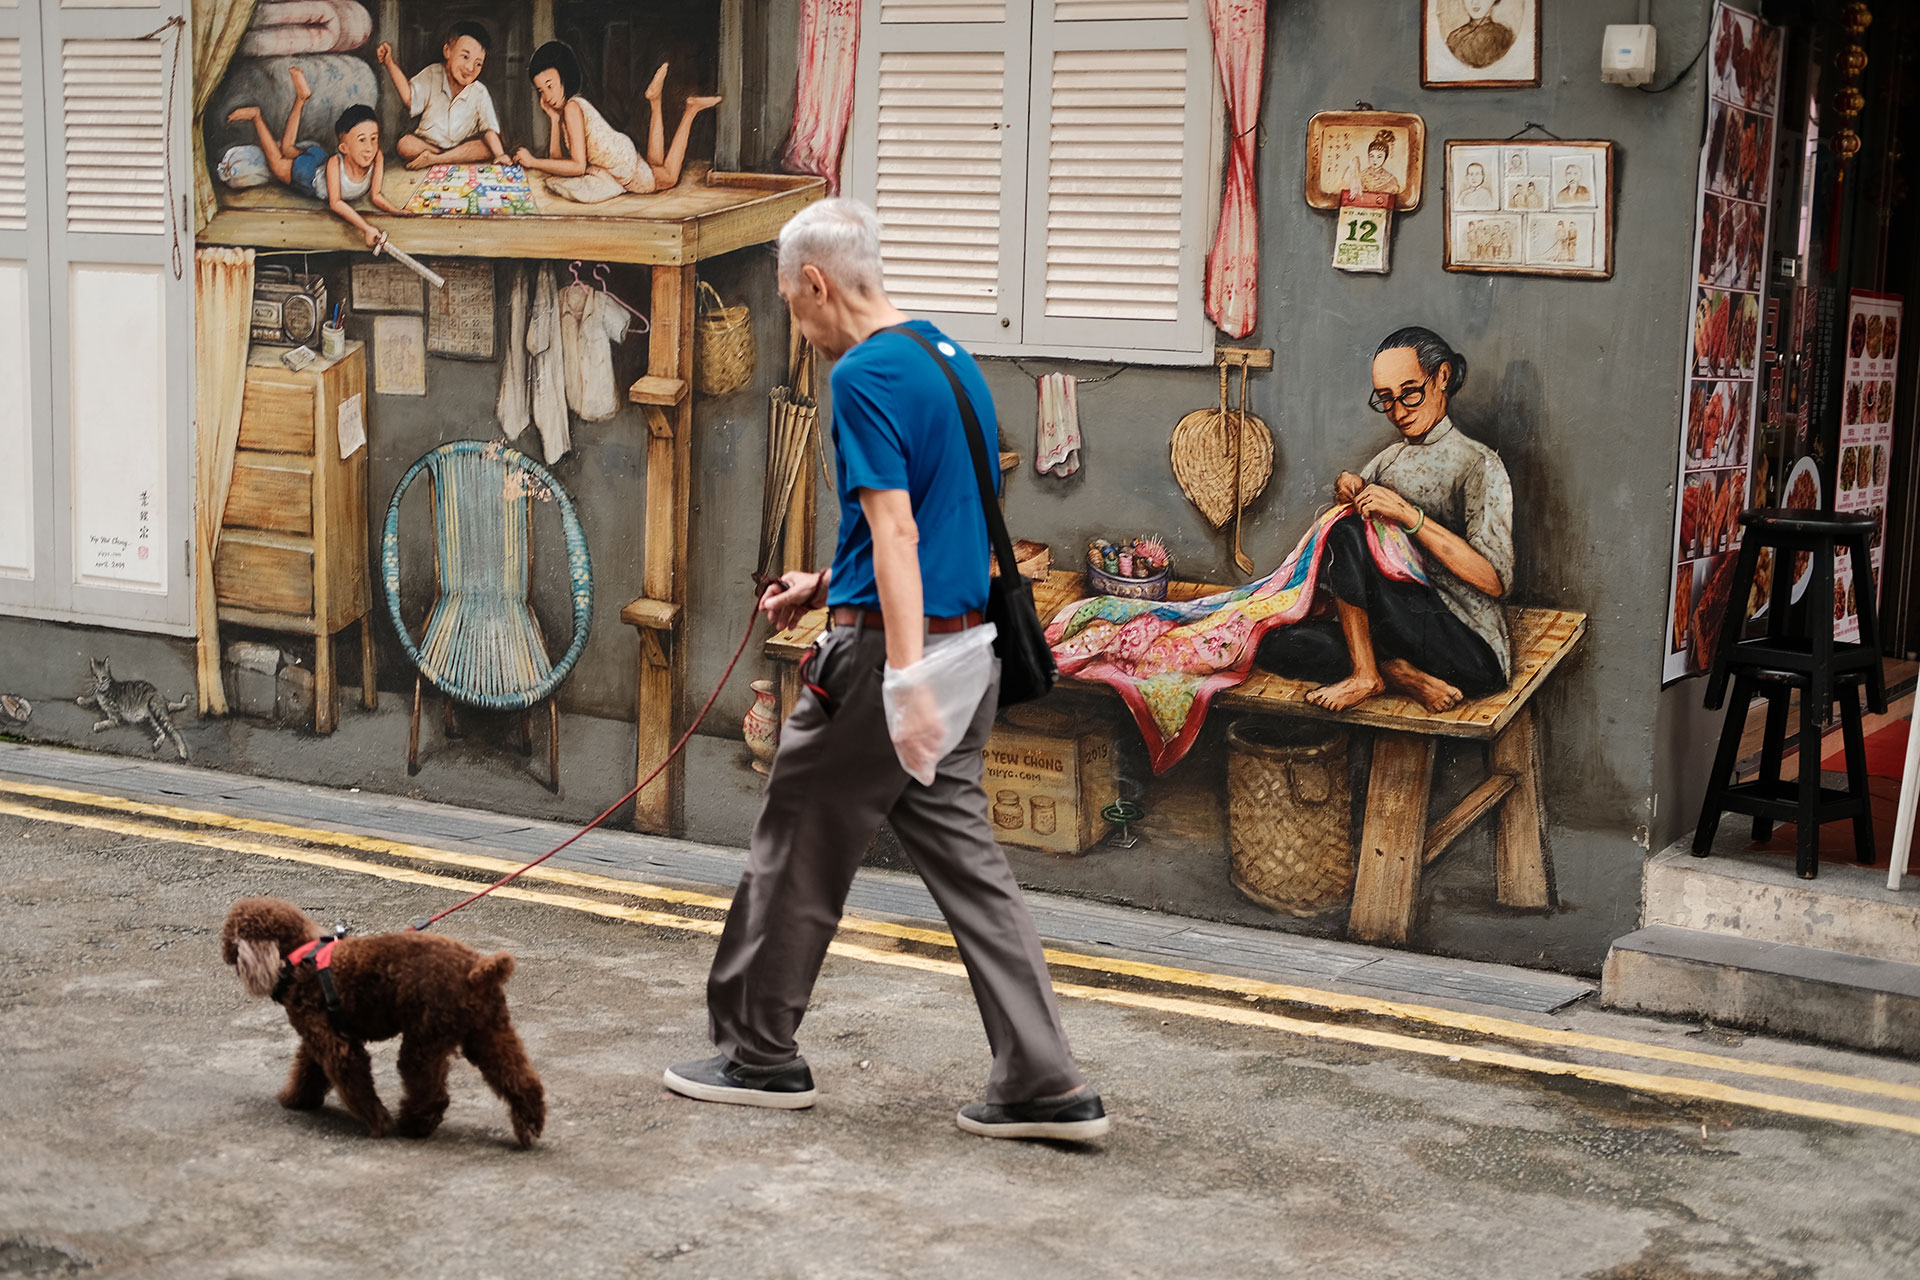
(1396,842)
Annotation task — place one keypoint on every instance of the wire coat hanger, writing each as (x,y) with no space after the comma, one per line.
(601,272)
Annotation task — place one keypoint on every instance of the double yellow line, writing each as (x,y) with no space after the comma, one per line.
(1250,990)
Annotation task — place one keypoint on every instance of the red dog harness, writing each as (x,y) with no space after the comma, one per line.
(318,954)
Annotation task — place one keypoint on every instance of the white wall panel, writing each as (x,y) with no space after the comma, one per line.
(118,407)
(16,418)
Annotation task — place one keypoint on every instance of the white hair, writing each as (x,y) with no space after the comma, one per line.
(841,237)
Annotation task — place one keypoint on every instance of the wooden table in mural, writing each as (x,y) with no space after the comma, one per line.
(1396,842)
(708,214)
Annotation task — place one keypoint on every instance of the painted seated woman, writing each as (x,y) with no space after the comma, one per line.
(1442,640)
(588,160)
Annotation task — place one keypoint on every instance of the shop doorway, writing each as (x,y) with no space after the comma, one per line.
(1838,416)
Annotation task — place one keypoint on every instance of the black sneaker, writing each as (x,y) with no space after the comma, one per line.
(788,1087)
(1077,1117)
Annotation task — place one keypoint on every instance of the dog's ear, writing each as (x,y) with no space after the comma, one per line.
(259,965)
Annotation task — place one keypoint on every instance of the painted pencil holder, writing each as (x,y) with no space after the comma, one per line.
(333,341)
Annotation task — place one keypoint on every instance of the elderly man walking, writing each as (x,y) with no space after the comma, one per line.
(910,574)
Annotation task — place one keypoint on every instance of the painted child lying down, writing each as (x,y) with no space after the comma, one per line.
(354,169)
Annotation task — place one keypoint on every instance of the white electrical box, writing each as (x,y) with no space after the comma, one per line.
(1626,54)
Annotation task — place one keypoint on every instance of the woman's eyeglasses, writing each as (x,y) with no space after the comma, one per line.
(1381,401)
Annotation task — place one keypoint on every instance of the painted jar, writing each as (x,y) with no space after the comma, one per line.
(761,727)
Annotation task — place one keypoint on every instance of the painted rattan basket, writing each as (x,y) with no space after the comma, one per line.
(722,345)
(1289,813)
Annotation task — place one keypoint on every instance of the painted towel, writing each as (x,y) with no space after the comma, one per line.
(1167,659)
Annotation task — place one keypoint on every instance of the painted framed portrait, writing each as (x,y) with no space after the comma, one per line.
(1479,44)
(1530,208)
(1372,151)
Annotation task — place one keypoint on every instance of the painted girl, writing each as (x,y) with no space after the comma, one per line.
(355,169)
(588,160)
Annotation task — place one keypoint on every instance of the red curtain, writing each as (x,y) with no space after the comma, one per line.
(1233,266)
(823,101)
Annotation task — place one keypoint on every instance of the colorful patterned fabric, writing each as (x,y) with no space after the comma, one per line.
(1167,659)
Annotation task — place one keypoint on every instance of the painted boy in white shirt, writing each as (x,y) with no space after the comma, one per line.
(457,123)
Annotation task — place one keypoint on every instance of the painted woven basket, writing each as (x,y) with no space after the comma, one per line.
(722,345)
(1289,814)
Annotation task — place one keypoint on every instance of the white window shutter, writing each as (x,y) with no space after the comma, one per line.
(938,150)
(13,139)
(1118,197)
(25,476)
(110,288)
(895,11)
(114,115)
(1119,10)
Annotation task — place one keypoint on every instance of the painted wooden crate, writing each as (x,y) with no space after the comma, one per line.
(1047,781)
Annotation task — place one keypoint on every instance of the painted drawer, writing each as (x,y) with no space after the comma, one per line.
(276,416)
(264,572)
(271,491)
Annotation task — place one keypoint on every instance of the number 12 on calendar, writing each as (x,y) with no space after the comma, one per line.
(1362,232)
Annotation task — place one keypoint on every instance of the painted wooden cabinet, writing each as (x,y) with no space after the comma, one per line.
(293,552)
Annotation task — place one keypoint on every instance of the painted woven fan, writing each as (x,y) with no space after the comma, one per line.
(1223,459)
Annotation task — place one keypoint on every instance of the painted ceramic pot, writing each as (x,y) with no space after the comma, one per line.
(761,727)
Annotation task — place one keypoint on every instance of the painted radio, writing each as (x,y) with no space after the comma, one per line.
(288,307)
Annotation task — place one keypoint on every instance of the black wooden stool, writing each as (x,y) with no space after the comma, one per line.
(1822,670)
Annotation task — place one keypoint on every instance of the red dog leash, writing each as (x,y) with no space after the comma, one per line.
(427,922)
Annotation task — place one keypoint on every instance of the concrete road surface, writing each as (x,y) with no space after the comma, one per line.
(139,1134)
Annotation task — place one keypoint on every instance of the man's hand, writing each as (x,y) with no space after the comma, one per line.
(916,731)
(795,593)
(383,54)
(1377,502)
(1348,486)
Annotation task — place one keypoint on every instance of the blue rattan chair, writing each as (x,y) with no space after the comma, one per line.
(481,644)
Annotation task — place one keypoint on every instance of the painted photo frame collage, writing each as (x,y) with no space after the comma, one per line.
(1538,207)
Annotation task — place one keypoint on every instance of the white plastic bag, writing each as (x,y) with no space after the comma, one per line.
(930,704)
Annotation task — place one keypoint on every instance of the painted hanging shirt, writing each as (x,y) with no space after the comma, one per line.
(590,323)
(1168,659)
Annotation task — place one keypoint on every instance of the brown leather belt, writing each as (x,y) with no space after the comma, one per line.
(874,620)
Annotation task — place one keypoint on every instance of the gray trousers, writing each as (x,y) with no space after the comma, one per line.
(835,777)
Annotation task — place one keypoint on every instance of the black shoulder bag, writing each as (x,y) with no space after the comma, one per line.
(1027,669)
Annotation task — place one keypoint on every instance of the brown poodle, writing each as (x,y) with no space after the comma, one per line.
(440,995)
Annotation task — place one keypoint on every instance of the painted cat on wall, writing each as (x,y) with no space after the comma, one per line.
(134,702)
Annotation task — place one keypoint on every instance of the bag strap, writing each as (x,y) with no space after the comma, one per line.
(989,500)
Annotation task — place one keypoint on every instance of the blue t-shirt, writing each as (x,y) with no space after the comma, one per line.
(896,426)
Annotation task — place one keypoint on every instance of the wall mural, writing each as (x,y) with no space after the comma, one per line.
(1391,611)
(1388,635)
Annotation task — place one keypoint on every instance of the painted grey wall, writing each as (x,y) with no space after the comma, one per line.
(1577,383)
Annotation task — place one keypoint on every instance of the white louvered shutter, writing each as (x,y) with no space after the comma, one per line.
(110,290)
(113,114)
(23,324)
(13,138)
(938,148)
(1118,180)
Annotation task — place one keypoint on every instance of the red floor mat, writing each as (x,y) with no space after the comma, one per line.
(1886,752)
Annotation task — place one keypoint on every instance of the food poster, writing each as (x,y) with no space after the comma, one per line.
(1866,442)
(1723,367)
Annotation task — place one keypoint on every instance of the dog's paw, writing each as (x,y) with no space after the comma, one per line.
(301,1099)
(528,1127)
(416,1126)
